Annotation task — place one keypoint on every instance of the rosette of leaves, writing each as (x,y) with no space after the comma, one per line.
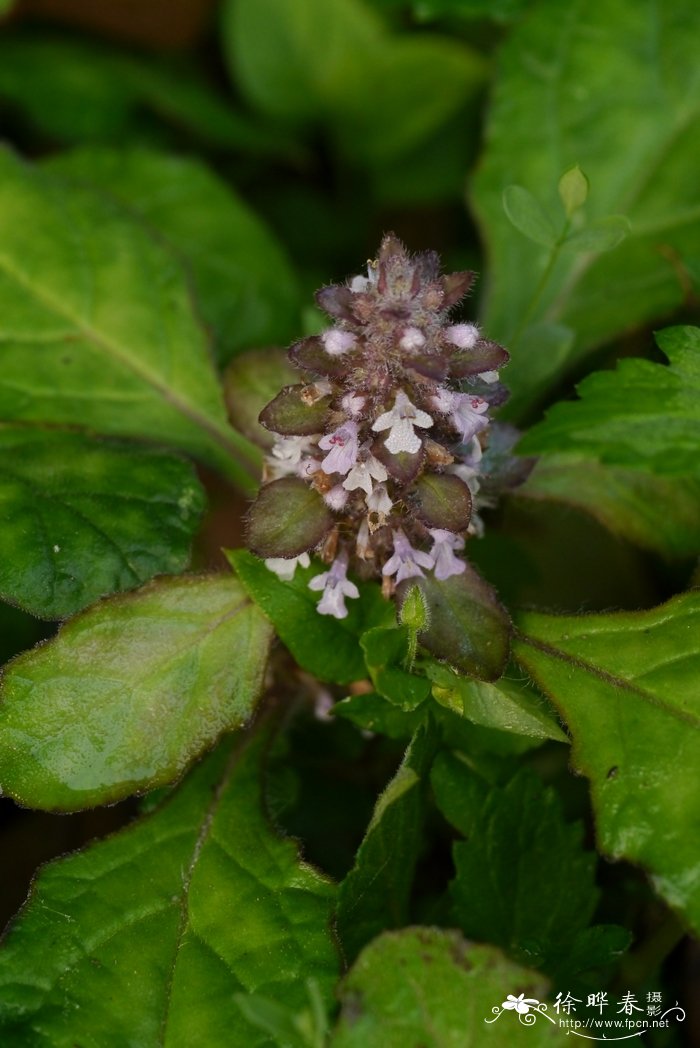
(378,453)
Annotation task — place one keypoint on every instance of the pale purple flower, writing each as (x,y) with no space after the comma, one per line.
(353,403)
(444,545)
(412,338)
(363,544)
(464,336)
(362,474)
(336,587)
(307,467)
(342,447)
(467,413)
(488,376)
(337,342)
(406,562)
(287,453)
(284,567)
(379,501)
(400,422)
(336,498)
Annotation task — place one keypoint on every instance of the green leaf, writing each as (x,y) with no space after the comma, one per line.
(443,501)
(657,513)
(523,880)
(468,629)
(290,415)
(386,651)
(428,986)
(130,692)
(602,235)
(573,190)
(371,712)
(86,91)
(642,416)
(298,59)
(528,216)
(552,108)
(627,686)
(414,86)
(375,894)
(176,914)
(327,647)
(287,518)
(82,518)
(242,281)
(508,705)
(380,95)
(251,380)
(105,313)
(468,10)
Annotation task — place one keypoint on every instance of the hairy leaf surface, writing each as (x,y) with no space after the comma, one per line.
(130,692)
(627,686)
(82,518)
(145,939)
(104,310)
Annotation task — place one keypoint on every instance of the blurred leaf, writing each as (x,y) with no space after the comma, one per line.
(130,692)
(375,893)
(642,416)
(539,893)
(381,95)
(251,381)
(627,686)
(298,59)
(426,986)
(176,915)
(657,513)
(86,91)
(105,313)
(469,10)
(468,628)
(528,216)
(415,85)
(552,108)
(508,705)
(601,235)
(573,190)
(82,518)
(327,647)
(243,283)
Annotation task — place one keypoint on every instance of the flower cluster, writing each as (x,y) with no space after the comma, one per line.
(377,458)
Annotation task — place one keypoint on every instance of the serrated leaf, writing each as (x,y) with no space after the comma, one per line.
(429,986)
(287,518)
(82,518)
(507,706)
(443,501)
(562,113)
(539,892)
(374,895)
(468,628)
(176,914)
(642,416)
(105,313)
(327,647)
(130,692)
(243,283)
(528,216)
(657,513)
(627,686)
